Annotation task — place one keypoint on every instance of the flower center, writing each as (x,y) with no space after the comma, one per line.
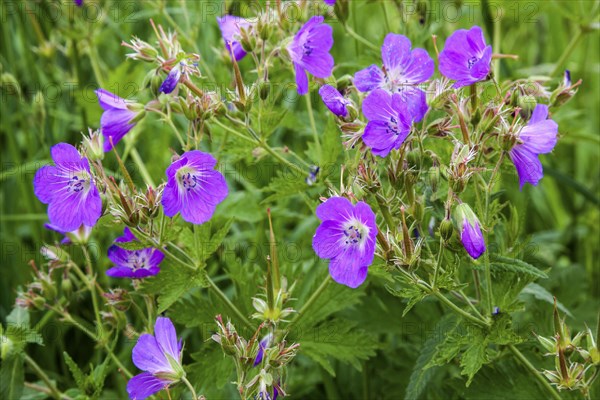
(137,260)
(307,49)
(187,178)
(472,61)
(354,233)
(79,182)
(392,126)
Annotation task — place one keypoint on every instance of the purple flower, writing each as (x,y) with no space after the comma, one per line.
(171,81)
(114,122)
(466,58)
(160,357)
(346,236)
(334,100)
(389,122)
(230,30)
(79,235)
(310,52)
(68,189)
(262,346)
(194,188)
(403,70)
(78,3)
(134,264)
(329,2)
(537,137)
(472,239)
(470,231)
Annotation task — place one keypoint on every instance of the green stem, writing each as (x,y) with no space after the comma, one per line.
(438,264)
(534,371)
(313,126)
(92,288)
(567,53)
(143,170)
(39,372)
(189,385)
(310,302)
(361,39)
(226,300)
(387,216)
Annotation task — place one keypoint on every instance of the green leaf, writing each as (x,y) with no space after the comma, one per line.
(412,293)
(340,340)
(474,357)
(421,376)
(133,245)
(78,375)
(12,377)
(540,293)
(515,265)
(212,382)
(172,282)
(283,186)
(331,146)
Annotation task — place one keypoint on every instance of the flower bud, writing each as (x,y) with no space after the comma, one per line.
(66,286)
(470,230)
(434,177)
(93,145)
(446,229)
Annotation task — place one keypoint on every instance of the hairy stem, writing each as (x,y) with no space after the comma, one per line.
(540,378)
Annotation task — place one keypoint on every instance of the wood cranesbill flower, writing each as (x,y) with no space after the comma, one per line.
(334,100)
(230,26)
(159,355)
(135,264)
(69,190)
(309,51)
(346,237)
(470,231)
(389,122)
(539,136)
(403,70)
(466,58)
(193,188)
(115,122)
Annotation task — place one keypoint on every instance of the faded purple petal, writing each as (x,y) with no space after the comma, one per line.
(301,79)
(230,31)
(148,356)
(144,385)
(335,208)
(327,239)
(395,51)
(347,268)
(529,168)
(416,102)
(370,78)
(166,337)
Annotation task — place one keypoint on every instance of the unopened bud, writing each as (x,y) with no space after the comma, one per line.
(446,229)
